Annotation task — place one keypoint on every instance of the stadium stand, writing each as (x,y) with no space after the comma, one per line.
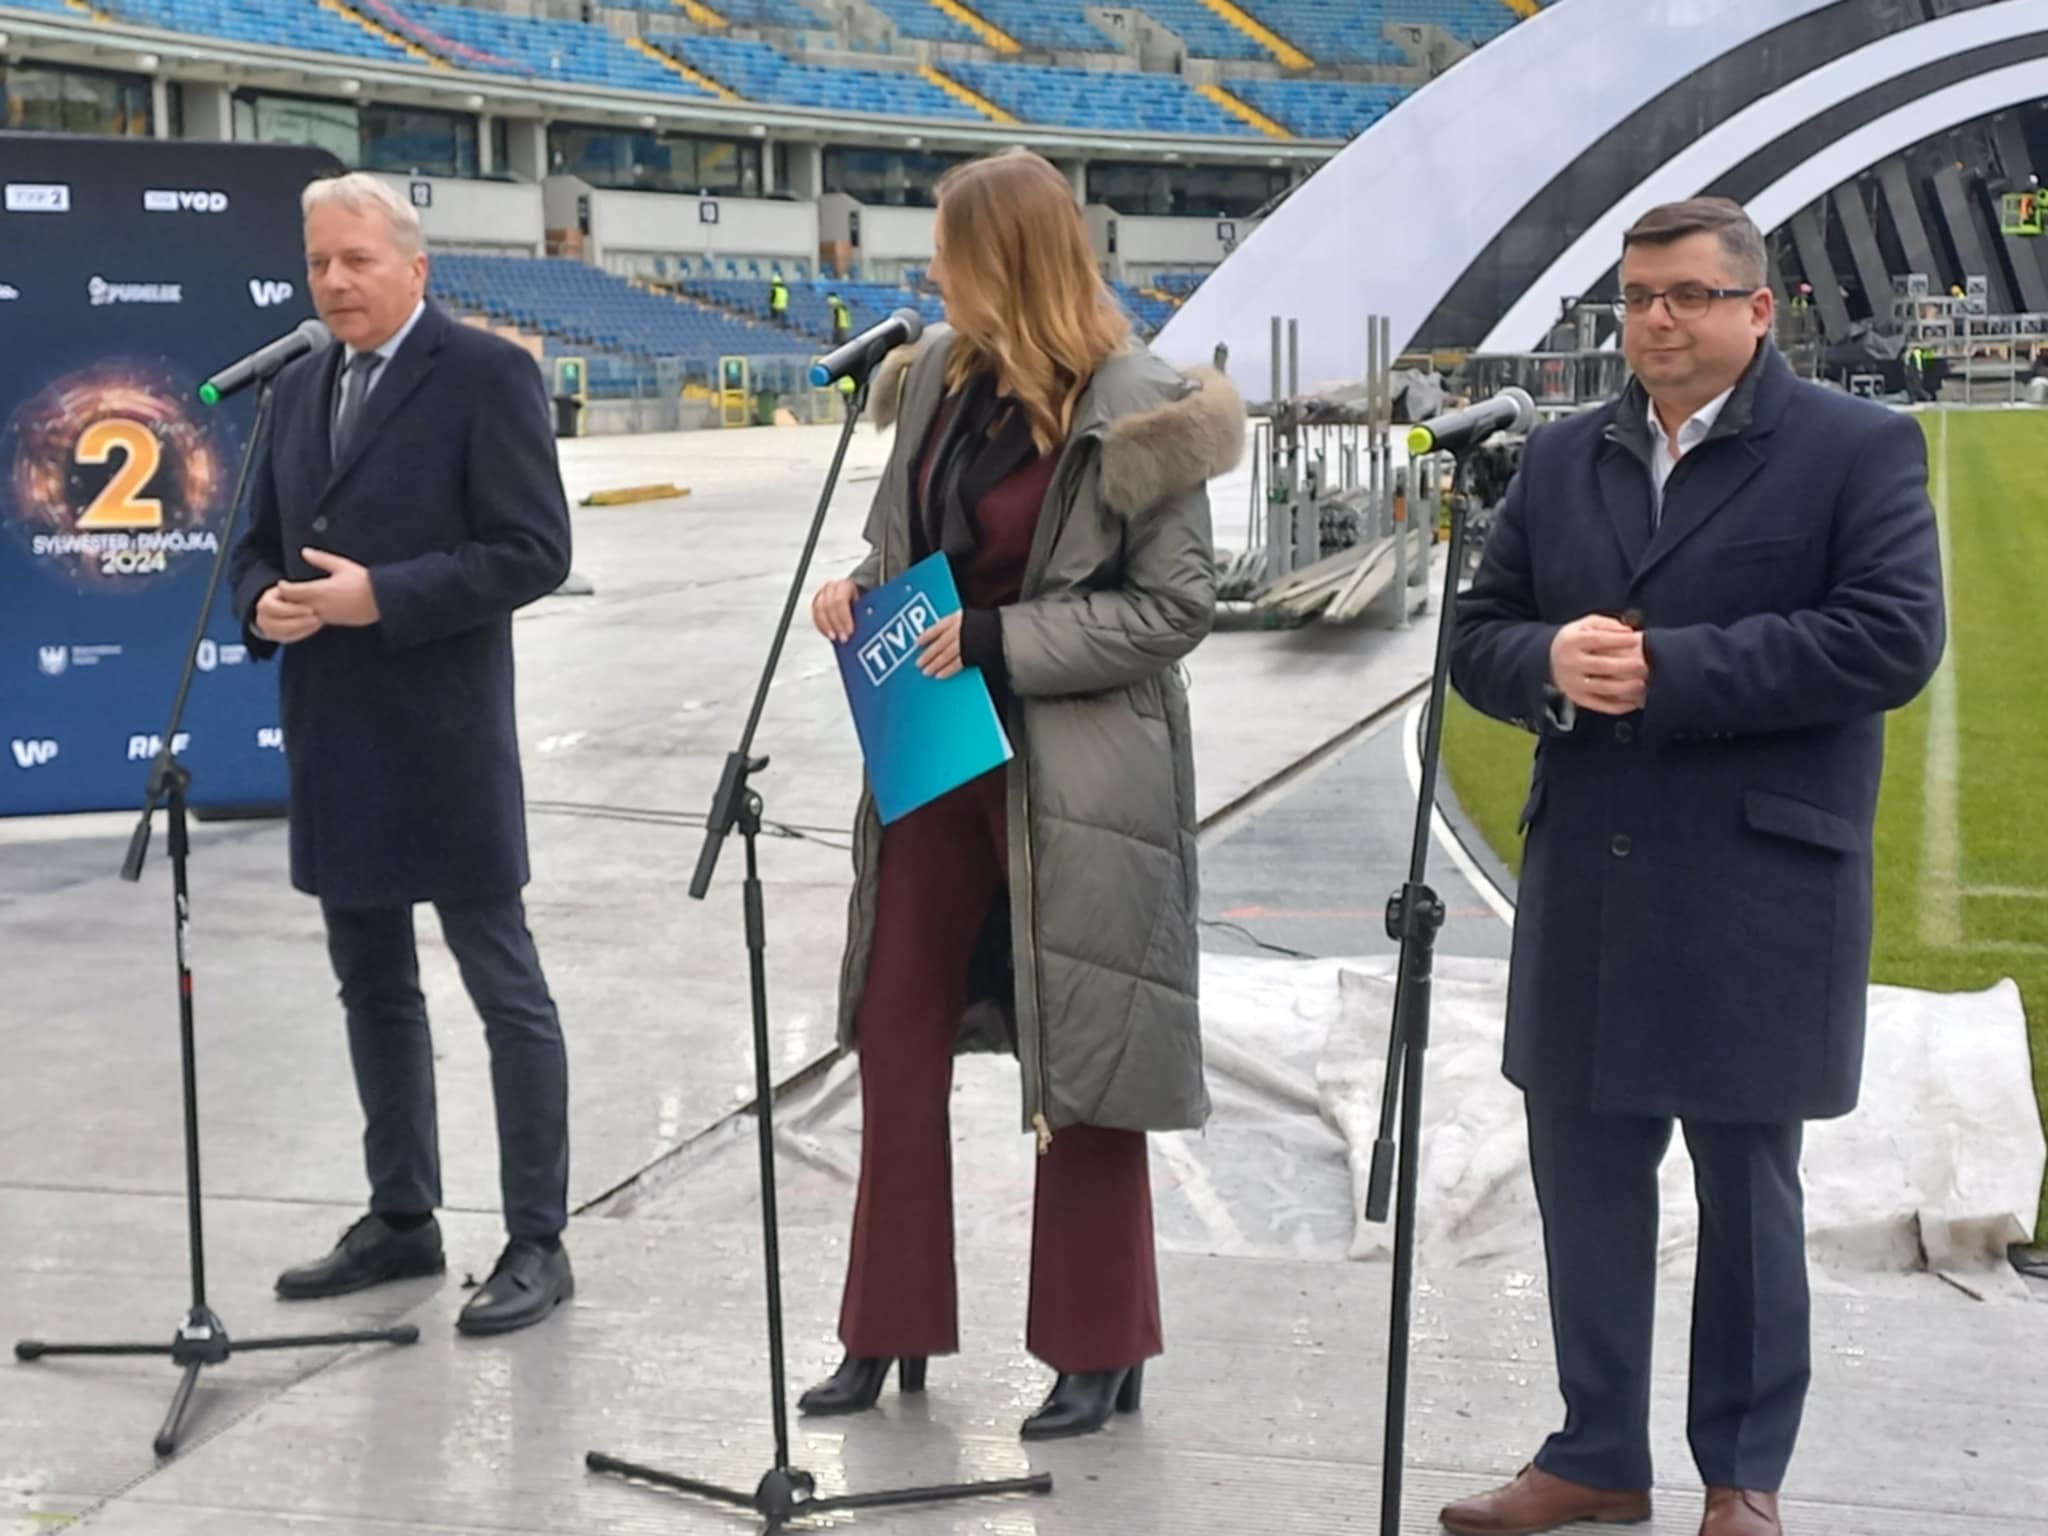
(1207,34)
(1048,24)
(760,73)
(517,45)
(1114,99)
(570,302)
(281,26)
(1319,109)
(924,21)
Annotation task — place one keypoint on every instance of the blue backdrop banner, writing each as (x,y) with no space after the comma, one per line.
(129,271)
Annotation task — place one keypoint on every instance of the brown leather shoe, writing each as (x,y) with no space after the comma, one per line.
(1536,1501)
(1741,1512)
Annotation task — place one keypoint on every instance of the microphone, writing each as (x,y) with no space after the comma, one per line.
(311,336)
(857,357)
(1509,411)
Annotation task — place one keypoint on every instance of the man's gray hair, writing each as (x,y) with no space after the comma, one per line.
(359,190)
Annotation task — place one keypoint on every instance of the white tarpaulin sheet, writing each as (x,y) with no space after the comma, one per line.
(1939,1167)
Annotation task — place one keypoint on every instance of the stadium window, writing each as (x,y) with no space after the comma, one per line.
(335,126)
(41,98)
(625,161)
(1184,191)
(885,178)
(414,139)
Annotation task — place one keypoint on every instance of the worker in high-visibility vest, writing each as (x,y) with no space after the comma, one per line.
(842,320)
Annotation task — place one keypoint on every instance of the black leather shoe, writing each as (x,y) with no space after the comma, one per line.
(857,1384)
(530,1282)
(371,1252)
(1080,1404)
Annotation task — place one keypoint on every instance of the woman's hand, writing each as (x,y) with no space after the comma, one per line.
(941,647)
(832,609)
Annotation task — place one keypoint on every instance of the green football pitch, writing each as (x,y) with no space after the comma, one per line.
(1962,827)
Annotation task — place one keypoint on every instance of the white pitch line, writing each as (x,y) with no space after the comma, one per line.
(1411,759)
(1941,838)
(2009,892)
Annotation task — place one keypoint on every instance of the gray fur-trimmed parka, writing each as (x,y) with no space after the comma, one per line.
(1089,972)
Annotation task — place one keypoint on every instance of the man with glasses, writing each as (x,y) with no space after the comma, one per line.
(1703,597)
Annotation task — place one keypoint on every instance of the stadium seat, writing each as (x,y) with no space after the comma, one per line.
(924,21)
(1319,109)
(760,73)
(578,306)
(1111,100)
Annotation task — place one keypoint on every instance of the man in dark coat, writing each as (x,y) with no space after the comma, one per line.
(1703,598)
(407,502)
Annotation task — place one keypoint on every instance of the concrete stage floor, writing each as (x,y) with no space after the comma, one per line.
(1263,1416)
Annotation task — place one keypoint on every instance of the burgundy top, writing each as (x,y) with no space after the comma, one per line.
(1005,522)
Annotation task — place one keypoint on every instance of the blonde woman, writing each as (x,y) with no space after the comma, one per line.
(1048,907)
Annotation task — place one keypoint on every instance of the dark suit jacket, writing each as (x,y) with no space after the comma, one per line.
(403,751)
(1693,929)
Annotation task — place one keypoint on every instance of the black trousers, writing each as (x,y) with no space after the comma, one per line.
(1596,1181)
(392,1052)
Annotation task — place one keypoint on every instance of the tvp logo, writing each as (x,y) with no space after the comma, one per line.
(896,641)
(34,753)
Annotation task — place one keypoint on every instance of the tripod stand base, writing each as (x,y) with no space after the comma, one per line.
(787,1494)
(202,1340)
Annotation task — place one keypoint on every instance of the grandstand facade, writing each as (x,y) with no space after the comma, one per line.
(620,179)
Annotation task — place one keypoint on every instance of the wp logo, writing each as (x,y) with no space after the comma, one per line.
(896,641)
(33,753)
(266,292)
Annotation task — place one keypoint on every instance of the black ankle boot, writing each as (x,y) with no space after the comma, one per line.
(857,1384)
(1080,1404)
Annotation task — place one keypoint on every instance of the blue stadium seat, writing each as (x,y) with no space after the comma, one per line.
(496,43)
(1349,31)
(1111,100)
(1061,24)
(578,306)
(760,73)
(926,22)
(293,24)
(1319,109)
(1208,35)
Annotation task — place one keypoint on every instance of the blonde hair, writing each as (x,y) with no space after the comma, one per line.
(1022,291)
(359,190)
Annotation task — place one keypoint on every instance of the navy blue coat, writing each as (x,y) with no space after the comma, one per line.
(401,740)
(1692,935)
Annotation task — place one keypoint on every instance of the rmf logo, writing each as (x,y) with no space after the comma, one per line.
(142,748)
(269,291)
(33,754)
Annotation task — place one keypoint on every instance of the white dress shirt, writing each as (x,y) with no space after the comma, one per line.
(388,351)
(1664,455)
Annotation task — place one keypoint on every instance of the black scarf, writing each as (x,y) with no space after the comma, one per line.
(968,463)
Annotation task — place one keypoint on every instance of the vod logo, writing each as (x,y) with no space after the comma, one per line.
(33,753)
(896,641)
(166,200)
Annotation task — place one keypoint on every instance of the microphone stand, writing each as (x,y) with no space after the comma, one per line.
(786,1492)
(202,1339)
(1415,914)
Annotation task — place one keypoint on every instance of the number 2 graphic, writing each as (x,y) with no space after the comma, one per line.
(119,505)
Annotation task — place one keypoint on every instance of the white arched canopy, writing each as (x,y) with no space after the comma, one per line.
(1742,135)
(1389,225)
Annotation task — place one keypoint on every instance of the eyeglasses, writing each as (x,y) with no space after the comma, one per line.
(1684,301)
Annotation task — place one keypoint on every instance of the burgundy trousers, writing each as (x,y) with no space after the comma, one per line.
(1094,1284)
